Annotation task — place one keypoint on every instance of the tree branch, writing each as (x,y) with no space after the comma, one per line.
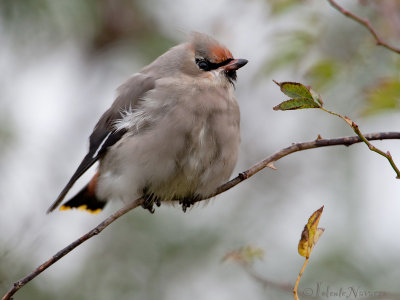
(60,254)
(319,142)
(366,24)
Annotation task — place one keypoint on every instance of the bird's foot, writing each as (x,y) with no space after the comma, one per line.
(189,201)
(149,201)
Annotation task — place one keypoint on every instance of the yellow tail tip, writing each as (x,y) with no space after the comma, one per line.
(82,207)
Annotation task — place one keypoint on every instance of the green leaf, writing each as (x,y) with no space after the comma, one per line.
(317,98)
(298,103)
(322,73)
(383,96)
(281,6)
(302,96)
(294,89)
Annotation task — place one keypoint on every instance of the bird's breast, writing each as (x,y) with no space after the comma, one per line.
(188,146)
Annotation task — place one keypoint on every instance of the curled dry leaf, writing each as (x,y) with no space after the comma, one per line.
(311,233)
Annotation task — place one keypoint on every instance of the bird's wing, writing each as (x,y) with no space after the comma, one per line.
(104,134)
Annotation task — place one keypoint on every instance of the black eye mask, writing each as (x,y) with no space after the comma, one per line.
(206,65)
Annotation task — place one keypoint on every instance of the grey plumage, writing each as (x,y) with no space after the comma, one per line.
(173,131)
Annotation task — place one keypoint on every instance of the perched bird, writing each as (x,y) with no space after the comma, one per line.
(171,134)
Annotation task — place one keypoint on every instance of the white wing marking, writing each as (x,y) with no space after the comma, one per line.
(101,145)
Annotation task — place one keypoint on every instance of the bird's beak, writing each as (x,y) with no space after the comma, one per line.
(235,64)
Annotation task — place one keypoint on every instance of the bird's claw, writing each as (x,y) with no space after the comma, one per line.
(188,202)
(149,206)
(149,201)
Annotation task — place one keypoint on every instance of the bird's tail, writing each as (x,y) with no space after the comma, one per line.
(86,199)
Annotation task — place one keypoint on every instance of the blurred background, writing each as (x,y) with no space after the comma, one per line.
(60,64)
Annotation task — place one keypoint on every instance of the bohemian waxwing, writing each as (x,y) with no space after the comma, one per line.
(171,134)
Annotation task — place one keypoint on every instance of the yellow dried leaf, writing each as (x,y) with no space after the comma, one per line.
(311,233)
(318,234)
(303,243)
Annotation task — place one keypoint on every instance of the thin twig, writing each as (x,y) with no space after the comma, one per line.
(366,24)
(371,147)
(346,141)
(305,294)
(60,254)
(296,297)
(374,149)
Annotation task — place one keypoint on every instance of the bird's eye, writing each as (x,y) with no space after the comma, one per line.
(203,64)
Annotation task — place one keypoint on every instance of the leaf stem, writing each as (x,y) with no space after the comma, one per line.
(371,147)
(296,297)
(374,149)
(331,112)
